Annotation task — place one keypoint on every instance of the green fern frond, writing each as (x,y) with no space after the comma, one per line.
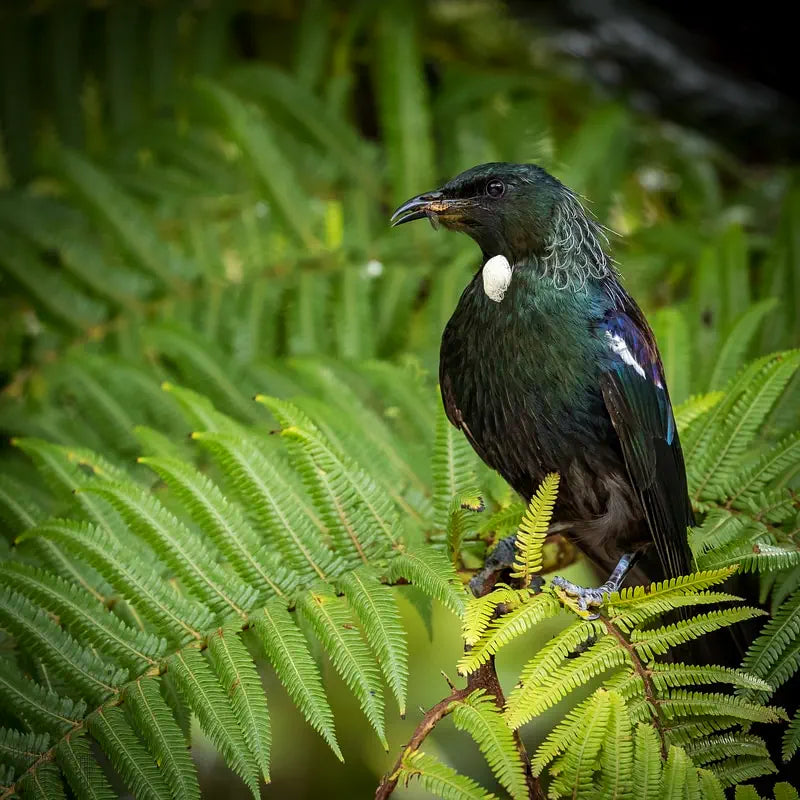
(152,718)
(774,505)
(566,732)
(288,652)
(112,419)
(459,523)
(375,607)
(711,466)
(682,703)
(86,778)
(52,291)
(452,465)
(203,693)
(20,749)
(558,649)
(404,105)
(738,341)
(720,530)
(199,360)
(715,748)
(64,476)
(479,716)
(649,643)
(671,675)
(503,629)
(121,216)
(785,791)
(791,737)
(775,655)
(574,771)
(649,608)
(739,769)
(754,554)
(749,481)
(158,444)
(84,616)
(531,698)
(276,507)
(19,509)
(237,673)
(357,512)
(504,521)
(272,169)
(782,587)
(696,438)
(200,411)
(685,584)
(406,392)
(694,407)
(338,138)
(335,480)
(31,626)
(616,755)
(479,611)
(44,783)
(223,521)
(354,428)
(688,730)
(126,751)
(333,625)
(439,779)
(185,552)
(647,765)
(175,616)
(37,705)
(533,530)
(432,573)
(679,777)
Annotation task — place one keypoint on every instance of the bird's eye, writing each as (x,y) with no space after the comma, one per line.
(495,188)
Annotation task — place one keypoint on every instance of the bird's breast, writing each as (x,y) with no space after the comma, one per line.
(521,376)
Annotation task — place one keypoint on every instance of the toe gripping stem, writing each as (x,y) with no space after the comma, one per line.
(593,597)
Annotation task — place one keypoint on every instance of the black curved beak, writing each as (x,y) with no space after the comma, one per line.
(428,205)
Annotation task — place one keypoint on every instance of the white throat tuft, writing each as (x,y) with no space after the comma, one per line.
(496,277)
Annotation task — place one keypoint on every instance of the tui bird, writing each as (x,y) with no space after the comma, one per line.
(549,365)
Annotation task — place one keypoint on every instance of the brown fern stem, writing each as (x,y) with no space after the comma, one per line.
(650,693)
(483,678)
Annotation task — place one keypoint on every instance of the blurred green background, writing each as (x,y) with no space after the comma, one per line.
(200,192)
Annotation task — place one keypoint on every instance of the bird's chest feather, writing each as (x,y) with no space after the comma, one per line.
(523,372)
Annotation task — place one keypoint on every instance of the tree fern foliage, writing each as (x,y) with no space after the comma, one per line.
(138,591)
(180,574)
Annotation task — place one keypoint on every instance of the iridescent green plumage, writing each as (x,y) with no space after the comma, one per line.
(562,374)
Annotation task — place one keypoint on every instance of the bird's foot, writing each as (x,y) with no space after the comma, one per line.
(582,600)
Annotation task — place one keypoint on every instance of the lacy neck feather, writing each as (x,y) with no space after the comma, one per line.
(575,252)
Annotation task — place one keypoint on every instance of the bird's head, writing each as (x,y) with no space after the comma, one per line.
(508,209)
